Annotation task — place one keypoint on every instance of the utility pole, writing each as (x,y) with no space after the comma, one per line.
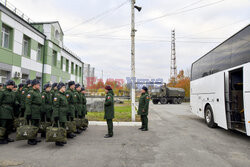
(133,30)
(173,68)
(133,59)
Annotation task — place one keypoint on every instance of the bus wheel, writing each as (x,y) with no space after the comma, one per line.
(209,117)
(155,101)
(163,101)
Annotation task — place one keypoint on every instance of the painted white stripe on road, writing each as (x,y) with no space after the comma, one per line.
(102,123)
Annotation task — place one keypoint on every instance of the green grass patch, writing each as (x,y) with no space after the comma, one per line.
(122,114)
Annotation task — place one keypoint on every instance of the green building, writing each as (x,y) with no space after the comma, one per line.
(35,50)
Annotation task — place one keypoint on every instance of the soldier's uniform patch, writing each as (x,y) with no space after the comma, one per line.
(147,97)
(43,96)
(75,95)
(28,96)
(108,97)
(23,92)
(67,95)
(55,99)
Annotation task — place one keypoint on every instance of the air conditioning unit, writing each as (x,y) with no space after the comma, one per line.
(17,74)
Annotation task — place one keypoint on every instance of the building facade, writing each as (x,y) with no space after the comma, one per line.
(35,51)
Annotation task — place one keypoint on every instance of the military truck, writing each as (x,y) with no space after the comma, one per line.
(164,95)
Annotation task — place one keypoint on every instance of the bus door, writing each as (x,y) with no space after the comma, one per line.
(236,114)
(219,100)
(246,86)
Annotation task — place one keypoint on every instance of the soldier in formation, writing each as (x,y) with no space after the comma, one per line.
(54,104)
(1,86)
(47,103)
(71,97)
(7,102)
(33,104)
(21,99)
(60,108)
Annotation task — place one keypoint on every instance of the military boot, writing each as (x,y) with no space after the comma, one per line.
(108,136)
(32,142)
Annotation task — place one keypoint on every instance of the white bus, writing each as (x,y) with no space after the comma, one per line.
(220,84)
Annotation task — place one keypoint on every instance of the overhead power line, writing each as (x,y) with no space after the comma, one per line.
(149,40)
(177,12)
(180,12)
(98,16)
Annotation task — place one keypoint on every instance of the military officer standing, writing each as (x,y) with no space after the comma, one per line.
(7,101)
(143,108)
(60,106)
(109,110)
(71,97)
(33,107)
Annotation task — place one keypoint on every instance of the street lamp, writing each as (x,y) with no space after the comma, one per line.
(133,30)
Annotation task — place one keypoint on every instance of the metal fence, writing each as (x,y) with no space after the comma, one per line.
(15,10)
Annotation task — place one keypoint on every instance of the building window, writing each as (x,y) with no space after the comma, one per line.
(39,53)
(26,46)
(54,58)
(57,35)
(24,78)
(67,65)
(4,76)
(72,68)
(76,73)
(61,62)
(5,37)
(80,71)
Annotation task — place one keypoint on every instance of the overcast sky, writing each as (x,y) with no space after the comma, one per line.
(103,38)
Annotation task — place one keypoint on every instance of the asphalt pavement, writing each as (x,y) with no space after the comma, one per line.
(175,138)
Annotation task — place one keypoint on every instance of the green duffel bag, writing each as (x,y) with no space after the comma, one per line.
(56,134)
(26,132)
(85,122)
(70,126)
(43,126)
(2,132)
(78,122)
(20,121)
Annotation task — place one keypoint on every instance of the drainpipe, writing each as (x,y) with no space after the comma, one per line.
(43,63)
(82,72)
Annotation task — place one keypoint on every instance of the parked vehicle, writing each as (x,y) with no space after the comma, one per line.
(165,95)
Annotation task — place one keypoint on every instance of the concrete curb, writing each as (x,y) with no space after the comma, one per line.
(101,123)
